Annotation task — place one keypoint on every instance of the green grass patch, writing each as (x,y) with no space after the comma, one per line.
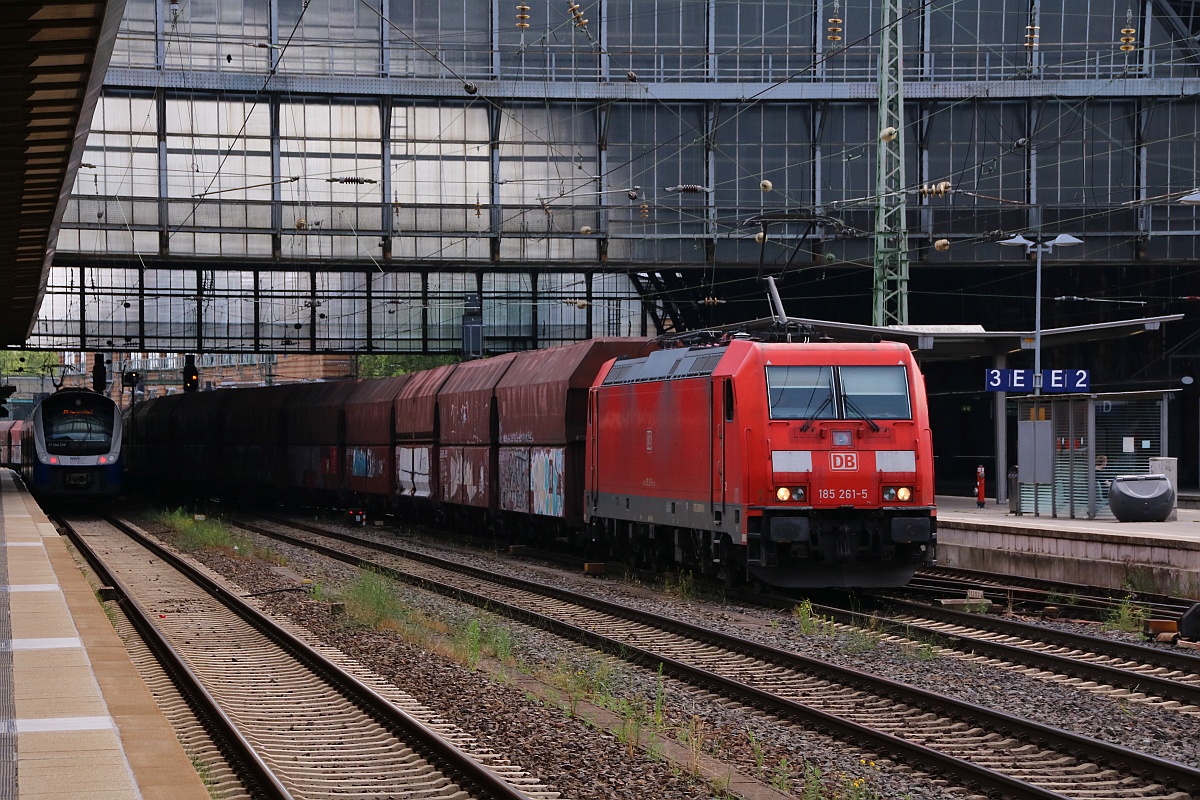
(205,534)
(1128,617)
(371,601)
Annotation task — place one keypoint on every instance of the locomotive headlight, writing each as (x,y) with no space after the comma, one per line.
(904,494)
(799,495)
(889,493)
(783,494)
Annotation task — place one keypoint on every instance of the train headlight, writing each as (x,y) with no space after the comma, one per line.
(904,494)
(783,494)
(799,494)
(889,493)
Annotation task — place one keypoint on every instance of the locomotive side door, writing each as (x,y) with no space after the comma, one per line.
(721,416)
(593,452)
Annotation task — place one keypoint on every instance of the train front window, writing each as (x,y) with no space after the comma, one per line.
(876,392)
(801,392)
(80,425)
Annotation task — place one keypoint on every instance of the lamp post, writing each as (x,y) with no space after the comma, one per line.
(1039,247)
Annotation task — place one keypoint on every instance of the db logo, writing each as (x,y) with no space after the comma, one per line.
(843,461)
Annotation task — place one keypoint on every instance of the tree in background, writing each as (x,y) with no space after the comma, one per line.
(27,362)
(392,365)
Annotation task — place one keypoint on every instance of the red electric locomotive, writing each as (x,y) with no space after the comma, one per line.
(800,465)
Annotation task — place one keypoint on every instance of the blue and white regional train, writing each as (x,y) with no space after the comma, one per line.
(71,448)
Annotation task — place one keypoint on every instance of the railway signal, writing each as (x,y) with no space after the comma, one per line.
(191,376)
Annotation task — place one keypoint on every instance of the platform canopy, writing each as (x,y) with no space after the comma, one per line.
(53,56)
(957,342)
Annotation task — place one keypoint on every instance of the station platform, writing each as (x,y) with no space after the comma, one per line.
(76,719)
(1161,557)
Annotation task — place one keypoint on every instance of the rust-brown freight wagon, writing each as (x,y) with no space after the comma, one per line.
(198,423)
(370,431)
(314,427)
(468,455)
(542,413)
(252,442)
(416,428)
(5,458)
(155,448)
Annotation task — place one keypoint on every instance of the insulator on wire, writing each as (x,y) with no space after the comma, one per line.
(522,16)
(712,301)
(577,14)
(645,209)
(939,189)
(835,24)
(1128,33)
(350,179)
(1031,35)
(687,188)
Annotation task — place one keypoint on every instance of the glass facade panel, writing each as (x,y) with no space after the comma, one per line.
(303,139)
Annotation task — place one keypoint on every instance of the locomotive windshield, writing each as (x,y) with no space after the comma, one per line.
(838,393)
(880,392)
(77,424)
(801,392)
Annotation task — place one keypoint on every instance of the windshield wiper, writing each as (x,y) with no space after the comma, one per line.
(809,420)
(850,404)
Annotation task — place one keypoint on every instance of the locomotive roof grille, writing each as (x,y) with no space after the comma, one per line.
(666,365)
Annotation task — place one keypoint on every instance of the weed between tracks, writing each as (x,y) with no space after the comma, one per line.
(213,534)
(1128,617)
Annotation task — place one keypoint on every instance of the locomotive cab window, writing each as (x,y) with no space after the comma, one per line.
(82,425)
(875,392)
(801,392)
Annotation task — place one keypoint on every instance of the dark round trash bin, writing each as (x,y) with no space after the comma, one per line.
(1141,498)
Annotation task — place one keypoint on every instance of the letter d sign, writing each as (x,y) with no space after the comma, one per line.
(845,462)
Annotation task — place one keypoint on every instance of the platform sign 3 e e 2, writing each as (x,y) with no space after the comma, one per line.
(1053,381)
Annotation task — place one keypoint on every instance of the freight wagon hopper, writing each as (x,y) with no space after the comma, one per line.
(370,432)
(468,455)
(249,442)
(542,408)
(799,465)
(10,443)
(314,429)
(415,415)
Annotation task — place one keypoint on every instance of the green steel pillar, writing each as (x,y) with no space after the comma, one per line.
(890,293)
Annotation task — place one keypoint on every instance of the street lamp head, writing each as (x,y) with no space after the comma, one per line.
(1016,241)
(1065,240)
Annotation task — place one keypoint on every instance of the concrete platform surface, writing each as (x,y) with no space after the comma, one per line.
(1147,556)
(76,719)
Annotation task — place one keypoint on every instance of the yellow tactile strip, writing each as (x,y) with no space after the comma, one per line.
(86,725)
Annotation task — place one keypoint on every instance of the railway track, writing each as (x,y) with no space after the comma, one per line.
(975,746)
(1154,674)
(291,722)
(1085,602)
